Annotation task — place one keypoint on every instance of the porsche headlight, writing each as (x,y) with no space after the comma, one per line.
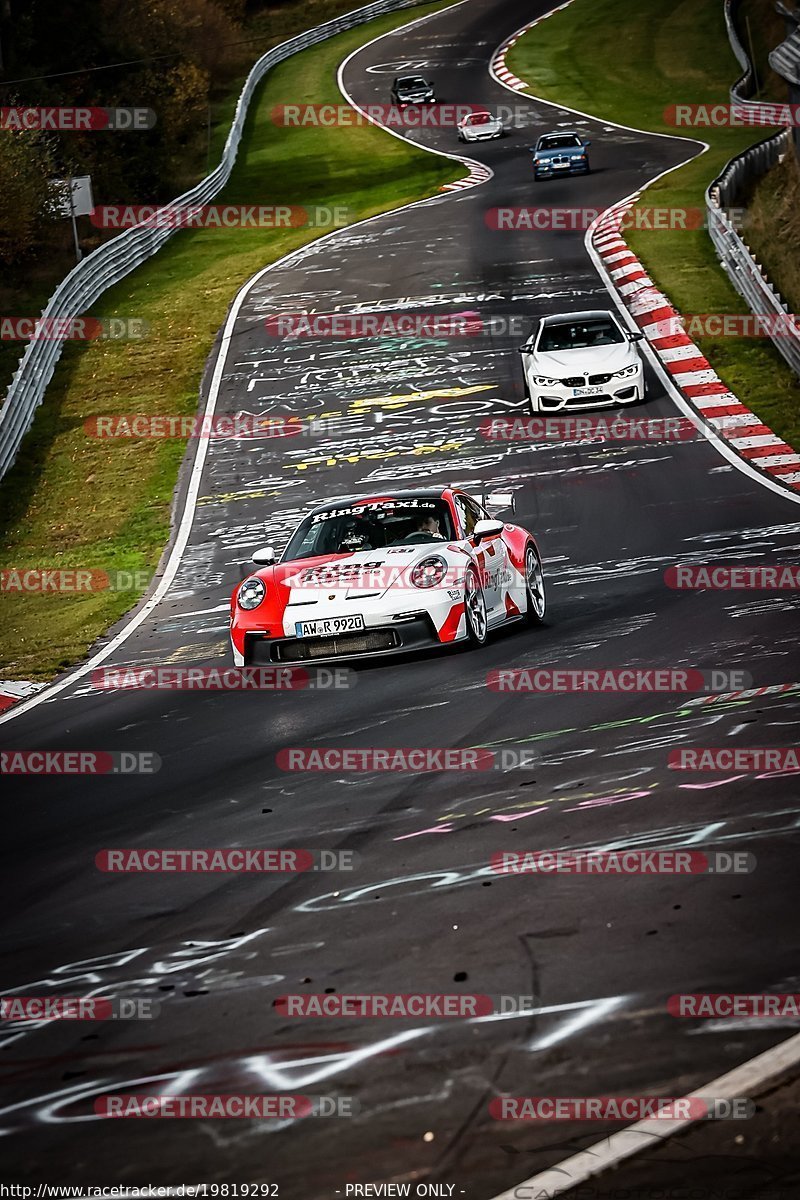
(545,381)
(251,593)
(429,572)
(626,372)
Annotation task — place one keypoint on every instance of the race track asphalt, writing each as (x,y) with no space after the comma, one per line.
(600,954)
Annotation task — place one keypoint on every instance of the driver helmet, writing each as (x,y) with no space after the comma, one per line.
(355,538)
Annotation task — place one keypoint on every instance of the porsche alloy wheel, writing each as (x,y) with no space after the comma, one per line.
(475,610)
(534,587)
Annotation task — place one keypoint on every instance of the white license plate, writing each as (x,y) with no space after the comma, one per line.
(327,626)
(587,391)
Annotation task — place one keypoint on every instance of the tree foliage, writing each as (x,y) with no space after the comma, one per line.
(165,55)
(26,194)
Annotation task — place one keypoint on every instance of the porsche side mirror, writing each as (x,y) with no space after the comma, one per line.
(635,336)
(265,556)
(486,529)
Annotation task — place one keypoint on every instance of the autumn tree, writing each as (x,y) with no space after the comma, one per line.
(27,192)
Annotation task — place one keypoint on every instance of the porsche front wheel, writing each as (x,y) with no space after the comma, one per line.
(534,587)
(475,609)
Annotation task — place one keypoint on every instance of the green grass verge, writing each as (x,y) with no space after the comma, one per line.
(627,61)
(74,501)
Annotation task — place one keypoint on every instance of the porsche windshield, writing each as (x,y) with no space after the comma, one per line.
(375,526)
(578,335)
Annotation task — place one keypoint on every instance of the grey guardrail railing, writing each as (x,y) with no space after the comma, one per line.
(744,85)
(745,273)
(749,165)
(785,58)
(785,61)
(117,257)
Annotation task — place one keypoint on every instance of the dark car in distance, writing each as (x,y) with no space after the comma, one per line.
(412,89)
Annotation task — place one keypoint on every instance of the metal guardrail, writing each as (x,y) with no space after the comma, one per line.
(750,164)
(745,84)
(745,273)
(785,61)
(117,257)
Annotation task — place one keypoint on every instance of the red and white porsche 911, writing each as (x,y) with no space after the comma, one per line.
(367,576)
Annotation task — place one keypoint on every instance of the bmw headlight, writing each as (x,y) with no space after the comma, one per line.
(251,593)
(429,572)
(545,381)
(626,372)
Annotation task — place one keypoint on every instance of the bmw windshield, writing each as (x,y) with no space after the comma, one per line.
(578,335)
(562,141)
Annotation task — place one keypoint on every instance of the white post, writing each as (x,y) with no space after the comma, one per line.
(78,251)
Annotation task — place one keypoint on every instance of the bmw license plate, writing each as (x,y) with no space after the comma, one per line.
(587,391)
(327,626)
